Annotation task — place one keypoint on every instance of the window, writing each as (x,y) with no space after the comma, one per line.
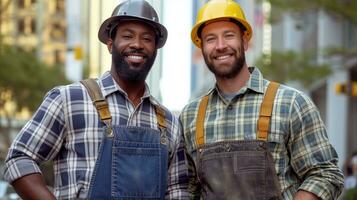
(33,26)
(21,26)
(21,3)
(60,5)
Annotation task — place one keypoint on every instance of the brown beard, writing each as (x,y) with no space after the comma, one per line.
(234,71)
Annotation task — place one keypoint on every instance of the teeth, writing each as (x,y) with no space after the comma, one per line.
(135,57)
(222,57)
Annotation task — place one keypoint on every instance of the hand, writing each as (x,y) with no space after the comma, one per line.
(304,195)
(32,186)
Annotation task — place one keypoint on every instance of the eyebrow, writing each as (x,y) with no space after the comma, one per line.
(143,33)
(224,32)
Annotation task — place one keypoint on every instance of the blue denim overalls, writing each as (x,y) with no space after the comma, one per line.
(132,161)
(238,169)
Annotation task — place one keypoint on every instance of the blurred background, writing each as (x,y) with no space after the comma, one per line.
(307,44)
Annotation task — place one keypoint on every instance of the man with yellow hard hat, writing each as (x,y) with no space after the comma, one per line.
(251,138)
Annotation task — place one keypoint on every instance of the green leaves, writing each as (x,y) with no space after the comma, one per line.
(343,8)
(292,66)
(26,77)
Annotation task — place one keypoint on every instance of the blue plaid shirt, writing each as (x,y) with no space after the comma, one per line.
(304,158)
(66,129)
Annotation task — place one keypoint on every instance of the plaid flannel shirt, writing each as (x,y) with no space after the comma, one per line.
(66,129)
(304,158)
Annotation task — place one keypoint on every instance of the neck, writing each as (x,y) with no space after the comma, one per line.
(233,85)
(134,89)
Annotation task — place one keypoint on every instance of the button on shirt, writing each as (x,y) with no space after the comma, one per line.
(298,142)
(66,129)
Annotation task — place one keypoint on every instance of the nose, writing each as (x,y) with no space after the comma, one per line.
(221,44)
(136,43)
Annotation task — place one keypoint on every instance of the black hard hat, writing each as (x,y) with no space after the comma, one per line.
(139,10)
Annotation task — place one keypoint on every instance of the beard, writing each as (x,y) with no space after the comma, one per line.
(233,70)
(128,72)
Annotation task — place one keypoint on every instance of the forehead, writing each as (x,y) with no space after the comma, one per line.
(219,26)
(135,26)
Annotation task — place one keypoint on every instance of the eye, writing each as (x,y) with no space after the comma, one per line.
(148,38)
(230,35)
(209,39)
(127,36)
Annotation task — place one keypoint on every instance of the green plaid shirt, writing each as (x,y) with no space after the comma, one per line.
(304,158)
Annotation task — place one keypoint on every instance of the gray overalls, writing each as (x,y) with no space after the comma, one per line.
(243,169)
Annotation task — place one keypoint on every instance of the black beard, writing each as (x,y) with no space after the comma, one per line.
(123,69)
(237,65)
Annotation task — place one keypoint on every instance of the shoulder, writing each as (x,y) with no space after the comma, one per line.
(297,97)
(192,106)
(66,95)
(74,90)
(295,100)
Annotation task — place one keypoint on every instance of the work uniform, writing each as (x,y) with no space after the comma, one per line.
(68,130)
(134,158)
(231,159)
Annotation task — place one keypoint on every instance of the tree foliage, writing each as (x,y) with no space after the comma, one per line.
(301,66)
(292,66)
(341,8)
(25,78)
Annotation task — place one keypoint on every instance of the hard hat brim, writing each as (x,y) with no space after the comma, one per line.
(195,37)
(160,30)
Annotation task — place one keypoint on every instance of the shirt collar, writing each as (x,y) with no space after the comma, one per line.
(255,83)
(109,86)
(256,80)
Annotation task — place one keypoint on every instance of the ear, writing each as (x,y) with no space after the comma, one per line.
(245,42)
(110,45)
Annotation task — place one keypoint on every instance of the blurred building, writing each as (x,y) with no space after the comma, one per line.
(316,32)
(35,25)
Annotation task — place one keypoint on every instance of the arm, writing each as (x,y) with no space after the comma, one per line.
(25,187)
(311,155)
(304,195)
(39,140)
(178,169)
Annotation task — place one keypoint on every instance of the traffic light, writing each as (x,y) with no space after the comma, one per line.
(354,89)
(78,53)
(349,88)
(340,88)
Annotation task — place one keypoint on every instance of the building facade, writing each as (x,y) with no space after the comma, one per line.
(37,26)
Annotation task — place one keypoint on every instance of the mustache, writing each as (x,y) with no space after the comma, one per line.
(135,51)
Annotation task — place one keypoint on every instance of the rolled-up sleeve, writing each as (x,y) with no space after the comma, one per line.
(38,141)
(312,156)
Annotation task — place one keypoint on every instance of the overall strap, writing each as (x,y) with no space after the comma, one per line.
(99,102)
(266,109)
(200,138)
(161,123)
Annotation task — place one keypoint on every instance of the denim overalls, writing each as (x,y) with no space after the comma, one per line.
(234,170)
(132,161)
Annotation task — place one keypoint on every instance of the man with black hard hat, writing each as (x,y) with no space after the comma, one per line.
(108,138)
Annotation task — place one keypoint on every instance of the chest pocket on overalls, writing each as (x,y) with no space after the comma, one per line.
(132,161)
(234,170)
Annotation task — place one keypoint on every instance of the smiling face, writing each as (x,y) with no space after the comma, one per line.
(223,47)
(133,50)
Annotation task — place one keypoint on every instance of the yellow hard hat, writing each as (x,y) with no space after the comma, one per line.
(216,10)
